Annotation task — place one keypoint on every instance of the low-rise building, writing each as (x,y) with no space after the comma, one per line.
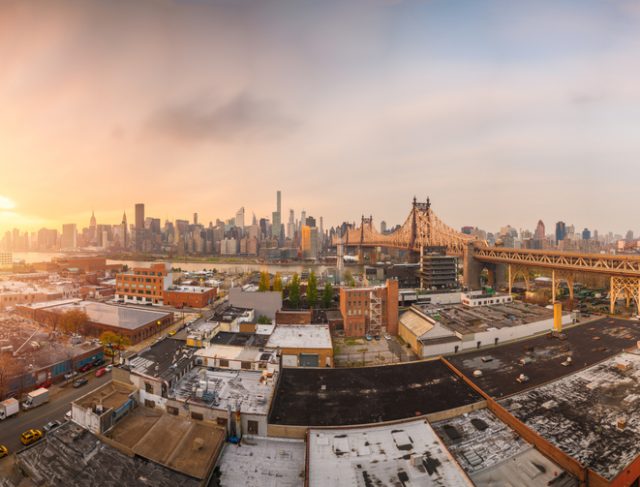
(235,319)
(303,345)
(189,296)
(408,453)
(136,324)
(264,303)
(433,330)
(370,310)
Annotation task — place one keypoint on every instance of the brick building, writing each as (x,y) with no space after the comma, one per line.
(370,310)
(144,285)
(189,296)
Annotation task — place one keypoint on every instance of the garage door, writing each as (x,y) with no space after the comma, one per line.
(290,360)
(309,360)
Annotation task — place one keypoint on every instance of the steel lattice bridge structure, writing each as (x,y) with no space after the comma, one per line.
(422,228)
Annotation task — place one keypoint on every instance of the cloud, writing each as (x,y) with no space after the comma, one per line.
(241,117)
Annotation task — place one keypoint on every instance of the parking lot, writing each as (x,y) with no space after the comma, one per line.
(350,352)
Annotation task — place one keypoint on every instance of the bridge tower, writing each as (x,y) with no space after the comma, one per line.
(471,268)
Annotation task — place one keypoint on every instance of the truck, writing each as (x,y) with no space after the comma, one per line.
(36,398)
(8,408)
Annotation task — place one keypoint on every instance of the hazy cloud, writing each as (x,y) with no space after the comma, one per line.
(241,117)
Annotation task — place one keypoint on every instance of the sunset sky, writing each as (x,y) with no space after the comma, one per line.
(500,111)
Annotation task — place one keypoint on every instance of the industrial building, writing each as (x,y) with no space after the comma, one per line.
(307,397)
(492,453)
(136,324)
(144,285)
(408,453)
(189,296)
(592,416)
(303,345)
(433,330)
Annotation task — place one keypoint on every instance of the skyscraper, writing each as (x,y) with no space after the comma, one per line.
(561,231)
(540,232)
(139,226)
(276,223)
(69,236)
(240,218)
(125,230)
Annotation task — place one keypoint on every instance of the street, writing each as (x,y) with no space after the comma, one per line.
(58,405)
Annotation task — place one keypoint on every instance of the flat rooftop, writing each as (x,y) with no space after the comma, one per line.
(300,336)
(493,454)
(466,320)
(407,454)
(189,447)
(586,344)
(229,313)
(164,359)
(113,394)
(261,462)
(580,414)
(188,289)
(241,339)
(364,395)
(230,352)
(108,314)
(72,456)
(219,388)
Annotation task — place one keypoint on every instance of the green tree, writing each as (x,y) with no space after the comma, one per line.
(348,278)
(264,285)
(74,321)
(112,342)
(263,320)
(277,282)
(327,295)
(294,291)
(312,290)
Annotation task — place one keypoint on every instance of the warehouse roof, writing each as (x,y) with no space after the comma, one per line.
(300,336)
(364,395)
(408,454)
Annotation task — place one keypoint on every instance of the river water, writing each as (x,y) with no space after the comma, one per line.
(31,257)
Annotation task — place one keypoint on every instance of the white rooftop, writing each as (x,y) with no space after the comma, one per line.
(300,336)
(188,289)
(262,462)
(221,387)
(230,352)
(408,454)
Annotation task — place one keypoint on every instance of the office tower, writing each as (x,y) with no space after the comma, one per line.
(125,240)
(561,231)
(276,217)
(540,232)
(586,234)
(240,218)
(69,236)
(383,227)
(139,226)
(195,218)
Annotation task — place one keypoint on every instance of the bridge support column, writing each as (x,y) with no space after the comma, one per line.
(471,268)
(629,287)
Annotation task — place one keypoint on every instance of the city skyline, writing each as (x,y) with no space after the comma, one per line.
(528,115)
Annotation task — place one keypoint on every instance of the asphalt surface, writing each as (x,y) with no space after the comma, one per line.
(59,403)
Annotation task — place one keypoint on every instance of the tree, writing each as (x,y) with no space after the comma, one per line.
(327,295)
(312,290)
(277,282)
(263,320)
(113,341)
(348,279)
(264,285)
(74,321)
(294,291)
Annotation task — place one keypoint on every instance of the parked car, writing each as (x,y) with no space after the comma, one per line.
(4,451)
(109,368)
(67,415)
(70,375)
(98,362)
(30,436)
(80,382)
(51,425)
(85,367)
(101,372)
(377,337)
(368,337)
(387,336)
(172,332)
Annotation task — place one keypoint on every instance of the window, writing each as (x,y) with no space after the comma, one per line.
(221,421)
(149,403)
(172,410)
(224,362)
(252,427)
(245,365)
(148,388)
(198,416)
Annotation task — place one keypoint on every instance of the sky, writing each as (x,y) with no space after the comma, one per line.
(502,112)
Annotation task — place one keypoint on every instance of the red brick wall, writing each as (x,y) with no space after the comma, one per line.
(192,300)
(293,317)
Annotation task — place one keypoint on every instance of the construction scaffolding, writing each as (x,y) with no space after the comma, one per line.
(375,314)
